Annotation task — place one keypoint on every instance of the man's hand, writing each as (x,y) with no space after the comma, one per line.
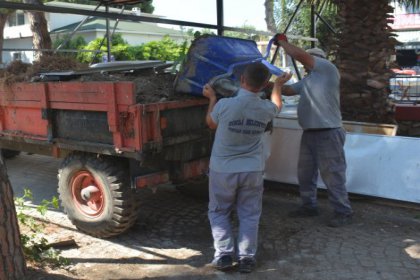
(280,37)
(282,79)
(209,92)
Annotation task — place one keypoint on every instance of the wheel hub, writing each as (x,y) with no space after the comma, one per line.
(88,194)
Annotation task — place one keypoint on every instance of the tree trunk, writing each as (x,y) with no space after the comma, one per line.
(269,16)
(3,20)
(364,46)
(12,260)
(39,27)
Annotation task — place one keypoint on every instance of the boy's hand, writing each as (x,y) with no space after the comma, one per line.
(209,92)
(282,79)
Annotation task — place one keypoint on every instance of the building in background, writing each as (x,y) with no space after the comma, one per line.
(18,35)
(407,28)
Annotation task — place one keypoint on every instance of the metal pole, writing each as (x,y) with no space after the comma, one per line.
(75,30)
(293,16)
(313,25)
(321,8)
(285,30)
(326,23)
(220,17)
(108,36)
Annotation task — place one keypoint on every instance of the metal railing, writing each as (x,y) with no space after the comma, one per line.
(405,88)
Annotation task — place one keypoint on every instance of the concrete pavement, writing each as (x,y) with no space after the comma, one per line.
(171,239)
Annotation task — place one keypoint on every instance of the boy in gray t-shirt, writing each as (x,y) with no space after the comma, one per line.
(237,164)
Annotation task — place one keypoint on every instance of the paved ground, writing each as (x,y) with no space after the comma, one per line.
(172,240)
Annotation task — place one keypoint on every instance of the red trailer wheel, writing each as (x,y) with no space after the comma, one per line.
(88,194)
(95,193)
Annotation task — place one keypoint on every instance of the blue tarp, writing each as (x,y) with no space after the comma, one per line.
(211,56)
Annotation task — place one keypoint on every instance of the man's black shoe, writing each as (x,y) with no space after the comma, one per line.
(225,263)
(303,212)
(340,220)
(246,265)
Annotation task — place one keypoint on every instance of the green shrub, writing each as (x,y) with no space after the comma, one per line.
(35,246)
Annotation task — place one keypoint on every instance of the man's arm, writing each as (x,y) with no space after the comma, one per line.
(297,53)
(288,90)
(211,95)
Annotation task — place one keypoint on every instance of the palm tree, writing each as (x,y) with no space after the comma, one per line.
(363,46)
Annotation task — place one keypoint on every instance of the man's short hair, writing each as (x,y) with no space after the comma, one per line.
(317,52)
(256,74)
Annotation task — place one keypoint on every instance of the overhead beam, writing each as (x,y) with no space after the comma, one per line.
(111,15)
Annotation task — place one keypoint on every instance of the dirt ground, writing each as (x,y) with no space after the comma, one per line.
(172,240)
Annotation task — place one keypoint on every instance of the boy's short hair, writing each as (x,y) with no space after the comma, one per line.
(256,74)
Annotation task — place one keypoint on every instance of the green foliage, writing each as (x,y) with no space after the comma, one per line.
(75,43)
(118,48)
(165,50)
(35,247)
(147,7)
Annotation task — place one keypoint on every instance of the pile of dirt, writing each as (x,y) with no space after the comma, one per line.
(55,63)
(157,88)
(18,71)
(150,86)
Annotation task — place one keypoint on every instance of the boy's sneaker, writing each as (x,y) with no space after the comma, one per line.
(224,263)
(246,265)
(340,220)
(303,212)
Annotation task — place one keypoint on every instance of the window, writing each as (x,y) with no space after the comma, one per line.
(17,56)
(16,19)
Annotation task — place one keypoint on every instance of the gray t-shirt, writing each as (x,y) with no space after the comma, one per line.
(319,104)
(241,123)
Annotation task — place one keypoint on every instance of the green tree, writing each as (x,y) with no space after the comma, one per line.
(118,48)
(301,26)
(75,43)
(362,47)
(165,50)
(41,37)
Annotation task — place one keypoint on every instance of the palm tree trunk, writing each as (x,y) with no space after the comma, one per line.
(12,260)
(365,43)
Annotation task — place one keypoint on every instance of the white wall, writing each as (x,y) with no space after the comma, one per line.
(22,43)
(58,20)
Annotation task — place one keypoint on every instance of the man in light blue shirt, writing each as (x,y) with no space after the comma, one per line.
(237,164)
(322,143)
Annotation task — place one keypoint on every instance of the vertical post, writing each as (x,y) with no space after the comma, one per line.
(220,17)
(108,36)
(313,25)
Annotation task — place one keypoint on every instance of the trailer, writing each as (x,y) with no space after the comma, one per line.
(111,145)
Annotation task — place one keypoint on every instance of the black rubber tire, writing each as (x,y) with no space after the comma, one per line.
(8,154)
(120,208)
